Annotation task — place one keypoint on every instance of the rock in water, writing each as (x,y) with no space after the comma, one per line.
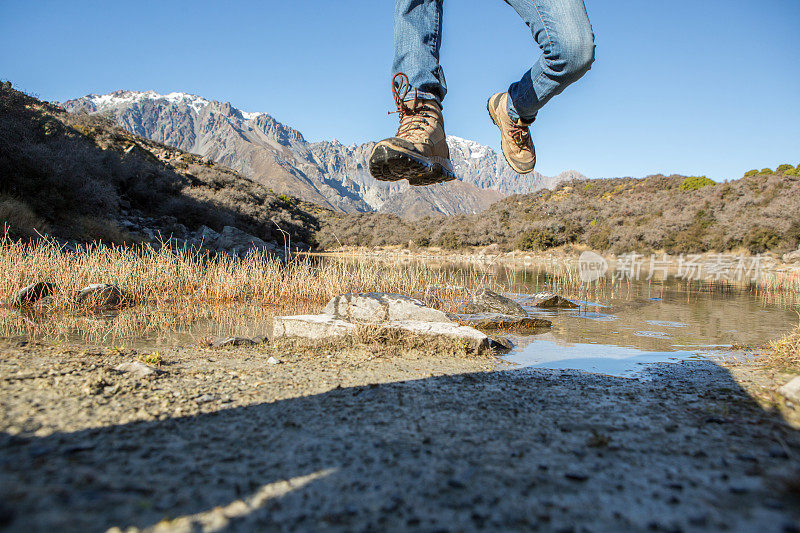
(101,295)
(549,300)
(486,301)
(30,294)
(500,343)
(374,307)
(498,321)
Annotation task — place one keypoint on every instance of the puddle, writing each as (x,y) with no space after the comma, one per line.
(547,352)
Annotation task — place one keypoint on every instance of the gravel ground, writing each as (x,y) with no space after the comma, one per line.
(375,438)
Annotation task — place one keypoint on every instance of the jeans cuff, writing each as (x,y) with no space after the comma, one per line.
(423,96)
(512,113)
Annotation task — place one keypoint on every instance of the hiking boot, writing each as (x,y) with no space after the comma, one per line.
(418,152)
(515,136)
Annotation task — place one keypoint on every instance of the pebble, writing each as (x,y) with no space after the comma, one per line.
(273,360)
(135,368)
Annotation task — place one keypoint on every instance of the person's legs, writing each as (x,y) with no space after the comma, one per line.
(418,151)
(417,40)
(562,30)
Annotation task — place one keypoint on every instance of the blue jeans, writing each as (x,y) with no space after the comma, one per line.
(561,28)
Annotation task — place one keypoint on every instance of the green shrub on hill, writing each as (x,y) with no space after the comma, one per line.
(765,171)
(759,240)
(537,240)
(749,173)
(784,167)
(693,183)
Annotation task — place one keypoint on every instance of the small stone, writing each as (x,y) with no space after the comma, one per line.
(95,386)
(136,368)
(205,398)
(576,476)
(273,361)
(792,257)
(220,342)
(207,236)
(500,343)
(791,391)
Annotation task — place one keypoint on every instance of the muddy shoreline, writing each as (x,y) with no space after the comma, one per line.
(368,437)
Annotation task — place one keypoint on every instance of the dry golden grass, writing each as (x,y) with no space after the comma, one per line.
(189,278)
(785,352)
(781,281)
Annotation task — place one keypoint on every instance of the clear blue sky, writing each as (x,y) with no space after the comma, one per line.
(695,87)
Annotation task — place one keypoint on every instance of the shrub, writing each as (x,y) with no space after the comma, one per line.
(749,173)
(450,241)
(693,183)
(19,219)
(784,167)
(600,240)
(102,229)
(761,239)
(765,171)
(537,240)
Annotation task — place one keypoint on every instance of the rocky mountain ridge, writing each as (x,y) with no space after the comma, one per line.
(327,173)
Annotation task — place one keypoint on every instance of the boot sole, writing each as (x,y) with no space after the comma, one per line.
(389,163)
(509,161)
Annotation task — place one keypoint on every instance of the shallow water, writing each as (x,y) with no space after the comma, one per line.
(619,329)
(631,326)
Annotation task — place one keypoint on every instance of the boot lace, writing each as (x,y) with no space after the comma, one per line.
(415,119)
(521,135)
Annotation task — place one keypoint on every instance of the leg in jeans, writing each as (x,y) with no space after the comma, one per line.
(417,39)
(562,30)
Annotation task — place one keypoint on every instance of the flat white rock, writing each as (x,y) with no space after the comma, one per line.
(791,391)
(377,307)
(328,326)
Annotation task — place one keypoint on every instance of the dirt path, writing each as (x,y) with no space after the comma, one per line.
(365,438)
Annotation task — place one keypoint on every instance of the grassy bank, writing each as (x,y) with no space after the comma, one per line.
(188,277)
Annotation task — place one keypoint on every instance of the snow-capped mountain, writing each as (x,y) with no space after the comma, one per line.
(327,173)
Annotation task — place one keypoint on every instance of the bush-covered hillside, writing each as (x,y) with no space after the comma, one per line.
(759,212)
(78,177)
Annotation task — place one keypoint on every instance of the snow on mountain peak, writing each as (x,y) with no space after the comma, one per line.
(117,98)
(472,149)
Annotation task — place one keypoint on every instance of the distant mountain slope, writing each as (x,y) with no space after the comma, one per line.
(81,177)
(759,212)
(326,173)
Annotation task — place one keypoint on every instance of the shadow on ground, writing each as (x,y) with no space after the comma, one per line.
(687,449)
